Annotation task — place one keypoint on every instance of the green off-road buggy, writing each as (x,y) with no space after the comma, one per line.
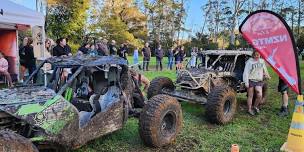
(81,98)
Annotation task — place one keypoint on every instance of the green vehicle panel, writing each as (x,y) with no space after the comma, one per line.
(47,114)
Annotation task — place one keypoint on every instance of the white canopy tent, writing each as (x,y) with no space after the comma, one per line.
(12,13)
(14,17)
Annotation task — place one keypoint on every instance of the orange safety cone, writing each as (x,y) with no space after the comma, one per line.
(295,140)
(235,148)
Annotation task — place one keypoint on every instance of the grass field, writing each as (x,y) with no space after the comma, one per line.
(263,133)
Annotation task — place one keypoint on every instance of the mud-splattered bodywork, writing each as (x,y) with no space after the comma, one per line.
(37,106)
(45,115)
(221,67)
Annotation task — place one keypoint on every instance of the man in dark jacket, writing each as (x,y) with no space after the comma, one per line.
(29,58)
(123,51)
(202,56)
(146,53)
(67,47)
(84,49)
(60,49)
(159,54)
(112,48)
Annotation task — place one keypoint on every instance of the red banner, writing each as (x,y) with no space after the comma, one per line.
(270,35)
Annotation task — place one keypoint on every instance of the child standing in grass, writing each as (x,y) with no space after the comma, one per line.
(254,73)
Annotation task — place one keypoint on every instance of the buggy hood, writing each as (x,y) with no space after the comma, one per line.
(22,101)
(25,95)
(39,106)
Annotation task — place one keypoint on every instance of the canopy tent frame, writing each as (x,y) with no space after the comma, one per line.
(15,17)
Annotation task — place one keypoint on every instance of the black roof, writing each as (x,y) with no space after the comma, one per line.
(85,60)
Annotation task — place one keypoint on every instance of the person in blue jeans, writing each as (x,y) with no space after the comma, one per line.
(135,56)
(170,58)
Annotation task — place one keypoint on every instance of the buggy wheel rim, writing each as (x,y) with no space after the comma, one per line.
(227,107)
(168,124)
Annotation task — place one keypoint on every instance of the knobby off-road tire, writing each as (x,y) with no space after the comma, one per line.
(12,142)
(221,105)
(157,84)
(264,94)
(160,121)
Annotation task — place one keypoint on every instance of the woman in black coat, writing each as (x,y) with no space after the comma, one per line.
(21,58)
(29,58)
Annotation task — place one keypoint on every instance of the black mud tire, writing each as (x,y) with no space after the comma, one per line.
(160,121)
(138,101)
(264,94)
(126,80)
(10,141)
(126,83)
(157,84)
(221,105)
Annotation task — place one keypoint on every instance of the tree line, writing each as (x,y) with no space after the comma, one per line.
(222,18)
(162,21)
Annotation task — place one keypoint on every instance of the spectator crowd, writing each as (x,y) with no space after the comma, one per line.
(176,55)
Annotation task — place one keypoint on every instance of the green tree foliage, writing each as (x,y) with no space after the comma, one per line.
(221,16)
(201,41)
(117,30)
(300,42)
(67,18)
(165,20)
(120,20)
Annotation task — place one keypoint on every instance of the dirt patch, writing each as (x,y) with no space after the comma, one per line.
(211,126)
(188,144)
(242,104)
